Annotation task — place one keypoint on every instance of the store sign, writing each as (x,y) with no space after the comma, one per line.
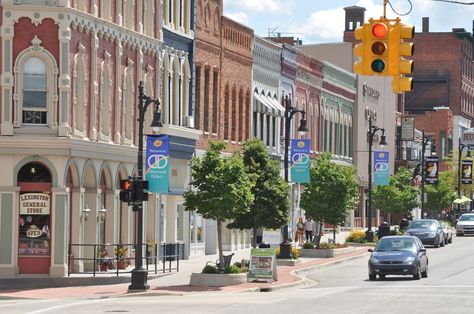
(35,204)
(408,128)
(34,232)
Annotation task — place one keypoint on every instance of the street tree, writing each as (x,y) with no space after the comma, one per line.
(331,192)
(221,189)
(439,196)
(399,196)
(270,206)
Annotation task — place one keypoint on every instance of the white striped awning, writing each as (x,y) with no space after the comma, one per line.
(276,104)
(260,105)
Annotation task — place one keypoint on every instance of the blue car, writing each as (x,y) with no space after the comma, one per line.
(398,255)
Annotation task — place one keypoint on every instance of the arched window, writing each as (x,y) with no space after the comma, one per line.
(177,92)
(105,10)
(106,98)
(35,90)
(165,81)
(80,96)
(148,21)
(129,14)
(128,98)
(148,84)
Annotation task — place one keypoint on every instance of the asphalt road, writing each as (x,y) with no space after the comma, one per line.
(340,288)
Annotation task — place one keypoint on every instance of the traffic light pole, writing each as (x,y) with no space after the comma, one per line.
(139,274)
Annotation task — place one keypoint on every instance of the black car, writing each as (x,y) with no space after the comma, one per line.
(429,231)
(398,255)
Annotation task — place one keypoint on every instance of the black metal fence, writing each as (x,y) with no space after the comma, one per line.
(117,258)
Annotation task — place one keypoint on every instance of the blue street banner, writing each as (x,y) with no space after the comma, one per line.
(381,168)
(157,163)
(300,162)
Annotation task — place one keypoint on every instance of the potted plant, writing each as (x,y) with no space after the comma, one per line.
(121,256)
(103,260)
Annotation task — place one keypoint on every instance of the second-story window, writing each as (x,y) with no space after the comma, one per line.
(34,92)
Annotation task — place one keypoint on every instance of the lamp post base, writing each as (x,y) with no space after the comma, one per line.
(139,280)
(369,236)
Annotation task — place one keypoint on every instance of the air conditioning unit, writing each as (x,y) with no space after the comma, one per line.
(188,121)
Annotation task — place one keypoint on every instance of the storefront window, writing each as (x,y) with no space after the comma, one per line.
(34,224)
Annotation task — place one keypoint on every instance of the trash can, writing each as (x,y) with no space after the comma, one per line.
(384,230)
(264,245)
(285,250)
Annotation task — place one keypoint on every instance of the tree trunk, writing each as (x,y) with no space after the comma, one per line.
(334,233)
(319,232)
(219,244)
(254,238)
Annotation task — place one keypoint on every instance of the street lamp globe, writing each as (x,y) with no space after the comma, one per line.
(383,141)
(156,124)
(302,130)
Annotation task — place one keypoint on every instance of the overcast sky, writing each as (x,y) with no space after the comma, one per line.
(317,21)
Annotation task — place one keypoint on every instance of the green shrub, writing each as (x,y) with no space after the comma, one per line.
(308,245)
(233,269)
(209,269)
(357,236)
(327,246)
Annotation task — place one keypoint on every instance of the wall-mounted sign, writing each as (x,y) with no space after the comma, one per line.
(34,204)
(408,128)
(370,92)
(468,137)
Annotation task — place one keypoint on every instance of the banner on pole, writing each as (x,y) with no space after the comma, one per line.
(157,163)
(431,170)
(300,161)
(381,168)
(466,173)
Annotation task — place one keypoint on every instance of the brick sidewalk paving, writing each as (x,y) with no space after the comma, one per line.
(287,276)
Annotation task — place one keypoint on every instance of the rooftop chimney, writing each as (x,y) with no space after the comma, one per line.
(426,25)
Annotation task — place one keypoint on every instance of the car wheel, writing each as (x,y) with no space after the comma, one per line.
(382,276)
(372,277)
(424,274)
(417,276)
(436,245)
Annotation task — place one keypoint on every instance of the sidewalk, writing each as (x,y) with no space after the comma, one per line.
(177,283)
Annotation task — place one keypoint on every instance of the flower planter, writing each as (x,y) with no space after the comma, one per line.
(287,262)
(121,264)
(104,267)
(217,280)
(325,253)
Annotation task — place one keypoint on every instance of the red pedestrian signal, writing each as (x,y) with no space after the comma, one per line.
(126,190)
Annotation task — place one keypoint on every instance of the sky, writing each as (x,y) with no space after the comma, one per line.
(322,21)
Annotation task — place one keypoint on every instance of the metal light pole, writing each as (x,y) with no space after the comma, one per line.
(290,111)
(461,147)
(139,274)
(424,142)
(369,234)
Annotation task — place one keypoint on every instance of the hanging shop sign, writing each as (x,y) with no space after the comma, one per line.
(35,204)
(300,161)
(157,163)
(466,172)
(431,170)
(381,168)
(408,128)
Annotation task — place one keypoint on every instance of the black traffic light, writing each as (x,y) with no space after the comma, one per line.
(126,190)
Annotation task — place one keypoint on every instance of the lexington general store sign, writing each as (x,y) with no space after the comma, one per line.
(34,204)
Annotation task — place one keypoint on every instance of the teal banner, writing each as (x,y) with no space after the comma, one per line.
(300,162)
(157,163)
(381,168)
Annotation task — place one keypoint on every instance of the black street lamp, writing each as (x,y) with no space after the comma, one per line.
(461,147)
(424,142)
(285,246)
(139,274)
(369,234)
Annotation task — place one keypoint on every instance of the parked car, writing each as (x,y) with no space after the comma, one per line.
(465,224)
(448,234)
(398,255)
(429,231)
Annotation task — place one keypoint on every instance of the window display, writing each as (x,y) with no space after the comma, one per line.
(34,222)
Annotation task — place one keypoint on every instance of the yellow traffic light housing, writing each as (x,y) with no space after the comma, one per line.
(400,50)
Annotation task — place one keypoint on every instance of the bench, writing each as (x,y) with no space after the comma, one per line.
(227,261)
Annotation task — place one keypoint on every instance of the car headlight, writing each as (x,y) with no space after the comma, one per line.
(374,260)
(432,234)
(410,260)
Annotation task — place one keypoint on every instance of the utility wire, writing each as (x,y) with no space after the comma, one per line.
(401,14)
(456,2)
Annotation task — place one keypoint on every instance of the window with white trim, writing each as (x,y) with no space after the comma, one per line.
(35,91)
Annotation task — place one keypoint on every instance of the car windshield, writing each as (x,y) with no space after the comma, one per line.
(419,224)
(467,218)
(396,244)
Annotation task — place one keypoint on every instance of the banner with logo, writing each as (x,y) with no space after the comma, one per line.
(157,163)
(300,162)
(381,168)
(466,172)
(431,170)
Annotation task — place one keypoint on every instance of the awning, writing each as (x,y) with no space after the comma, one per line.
(262,106)
(462,200)
(278,107)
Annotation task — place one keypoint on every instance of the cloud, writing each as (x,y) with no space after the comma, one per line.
(239,17)
(268,6)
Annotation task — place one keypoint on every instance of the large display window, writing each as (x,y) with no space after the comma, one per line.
(34,225)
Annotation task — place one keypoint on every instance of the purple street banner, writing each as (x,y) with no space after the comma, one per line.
(466,173)
(381,168)
(431,170)
(157,163)
(300,162)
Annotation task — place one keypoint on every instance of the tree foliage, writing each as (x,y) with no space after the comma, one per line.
(439,196)
(331,192)
(399,196)
(221,188)
(270,206)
